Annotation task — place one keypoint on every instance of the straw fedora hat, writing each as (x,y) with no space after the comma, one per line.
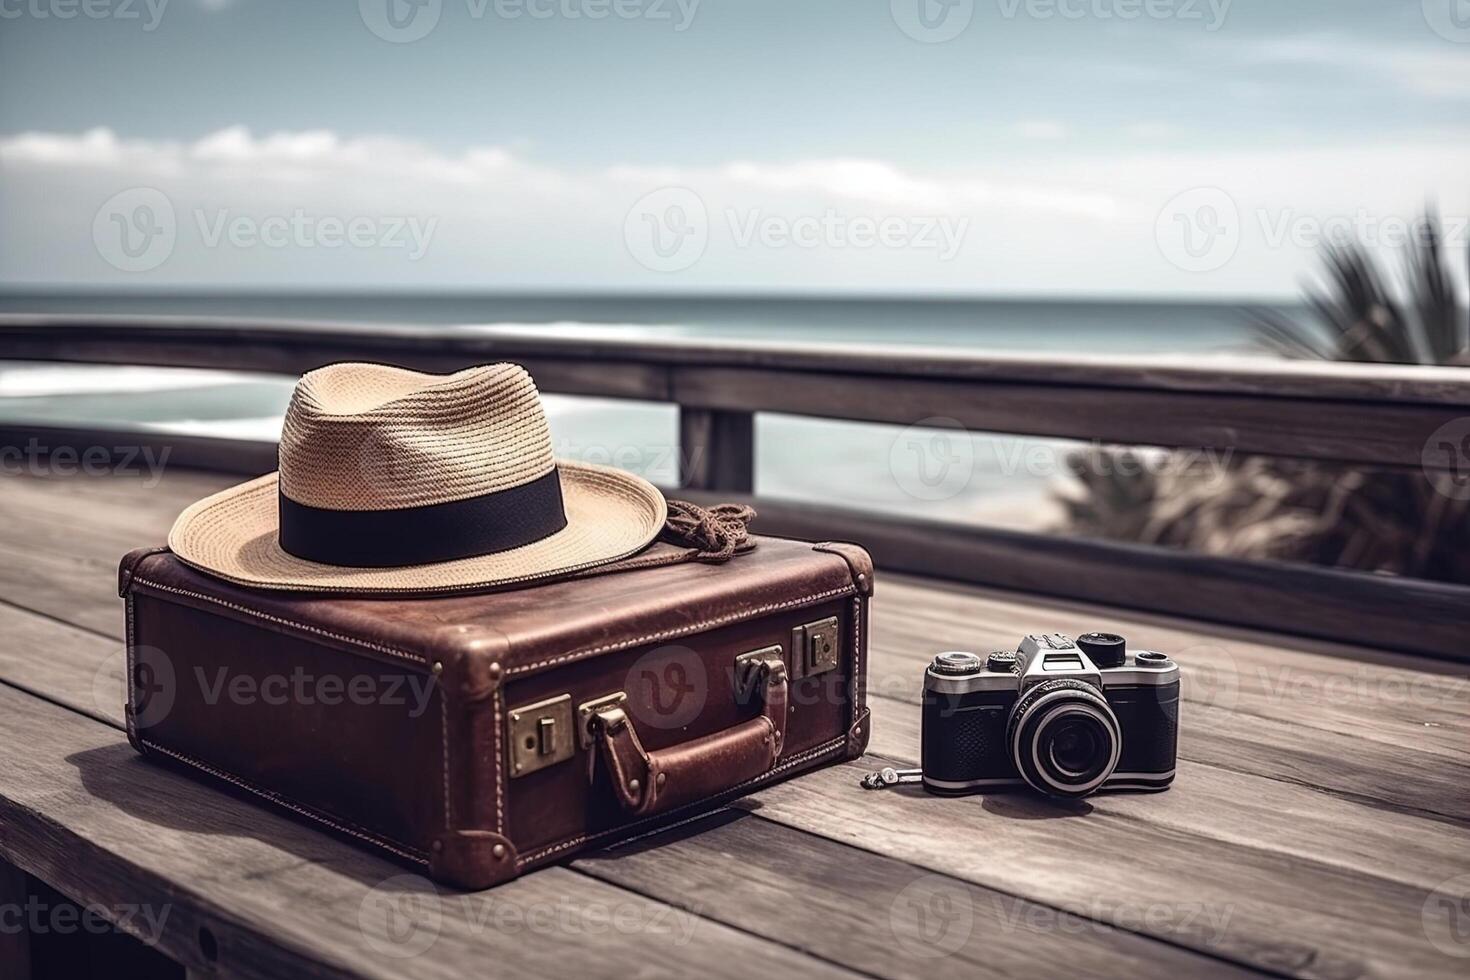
(392,481)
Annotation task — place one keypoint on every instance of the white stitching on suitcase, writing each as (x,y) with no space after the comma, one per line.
(355,641)
(499,773)
(811,753)
(857,653)
(682,630)
(444,774)
(128,680)
(402,850)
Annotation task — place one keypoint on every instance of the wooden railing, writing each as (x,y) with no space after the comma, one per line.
(1370,415)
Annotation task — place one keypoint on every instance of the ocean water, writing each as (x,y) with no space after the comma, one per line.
(938,472)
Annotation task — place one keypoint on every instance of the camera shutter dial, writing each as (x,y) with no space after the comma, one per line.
(1104,649)
(956,662)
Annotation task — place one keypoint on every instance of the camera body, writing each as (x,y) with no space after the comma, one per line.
(1062,716)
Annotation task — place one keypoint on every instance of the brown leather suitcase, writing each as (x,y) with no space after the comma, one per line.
(479,736)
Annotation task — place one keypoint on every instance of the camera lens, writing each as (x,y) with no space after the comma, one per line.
(1074,747)
(1104,649)
(956,662)
(1064,738)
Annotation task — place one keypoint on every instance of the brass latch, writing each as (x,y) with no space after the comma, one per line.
(748,670)
(814,647)
(540,735)
(587,711)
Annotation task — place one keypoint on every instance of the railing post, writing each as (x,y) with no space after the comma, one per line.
(716,450)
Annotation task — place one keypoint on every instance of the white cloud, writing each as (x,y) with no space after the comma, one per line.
(1036,220)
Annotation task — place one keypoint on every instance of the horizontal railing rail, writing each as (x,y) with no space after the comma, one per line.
(1358,414)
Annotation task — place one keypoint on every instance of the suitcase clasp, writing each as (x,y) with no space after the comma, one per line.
(540,735)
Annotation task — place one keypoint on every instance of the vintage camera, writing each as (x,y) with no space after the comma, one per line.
(1065,717)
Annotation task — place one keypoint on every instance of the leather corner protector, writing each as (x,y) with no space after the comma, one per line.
(858,734)
(859,562)
(471,660)
(129,565)
(472,859)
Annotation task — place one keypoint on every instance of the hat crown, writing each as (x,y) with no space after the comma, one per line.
(372,437)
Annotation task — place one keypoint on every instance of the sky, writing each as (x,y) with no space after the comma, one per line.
(1064,148)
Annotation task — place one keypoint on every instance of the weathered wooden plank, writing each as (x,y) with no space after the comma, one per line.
(227,886)
(62,663)
(1284,598)
(1269,909)
(292,347)
(874,913)
(1344,690)
(1242,808)
(1377,433)
(914,619)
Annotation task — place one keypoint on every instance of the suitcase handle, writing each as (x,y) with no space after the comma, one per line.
(646,782)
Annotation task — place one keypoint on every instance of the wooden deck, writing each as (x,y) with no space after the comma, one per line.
(1323,795)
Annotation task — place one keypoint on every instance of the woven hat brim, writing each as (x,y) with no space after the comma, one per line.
(611,514)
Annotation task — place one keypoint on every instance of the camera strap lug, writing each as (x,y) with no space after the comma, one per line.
(889,776)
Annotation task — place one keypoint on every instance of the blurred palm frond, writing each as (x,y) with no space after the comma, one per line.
(1299,510)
